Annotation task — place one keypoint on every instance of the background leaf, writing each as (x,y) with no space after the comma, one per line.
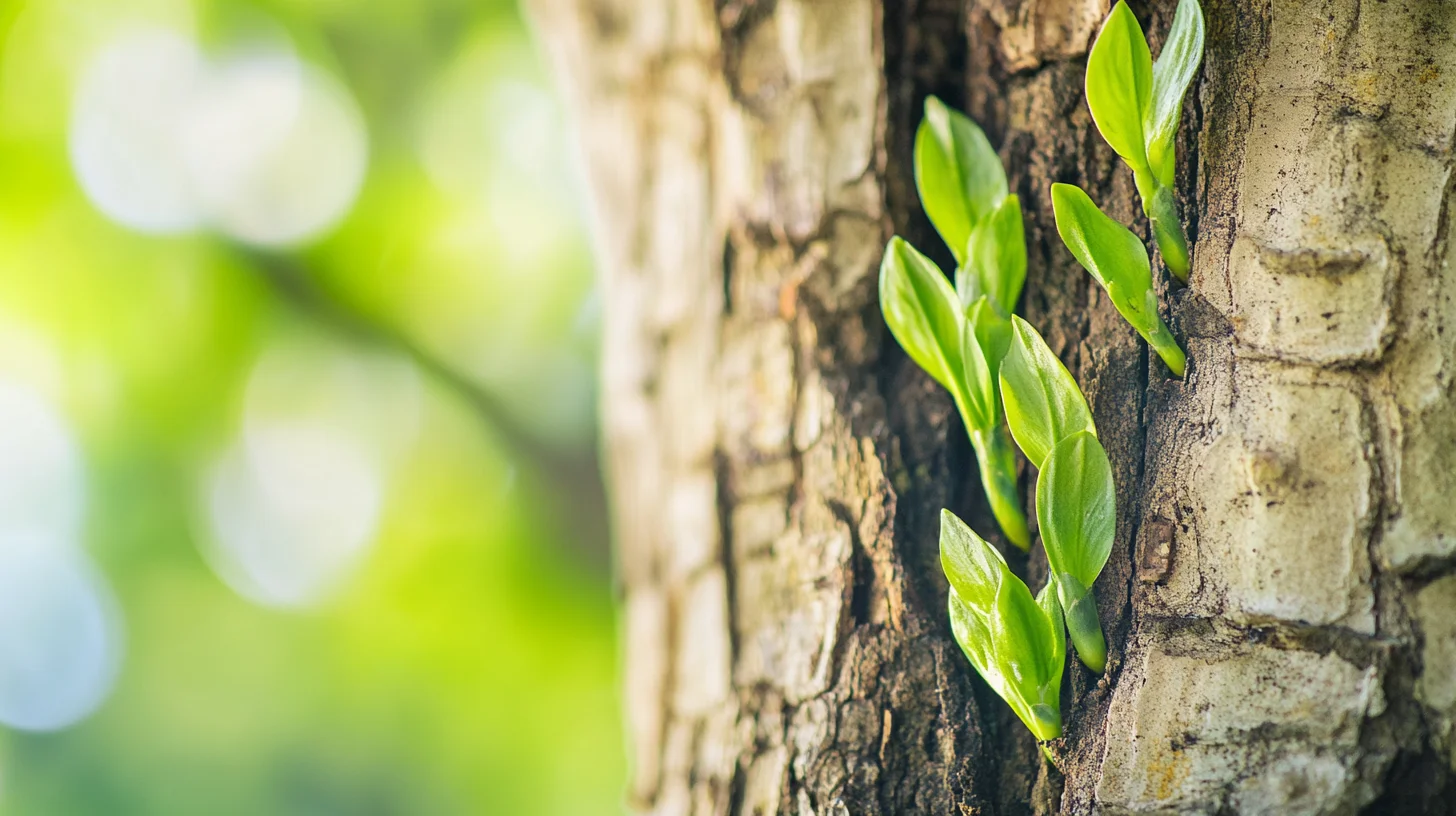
(922,312)
(1119,84)
(997,252)
(1174,71)
(1043,403)
(957,173)
(1076,506)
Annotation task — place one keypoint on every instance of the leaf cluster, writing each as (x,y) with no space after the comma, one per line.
(959,334)
(1137,104)
(1015,642)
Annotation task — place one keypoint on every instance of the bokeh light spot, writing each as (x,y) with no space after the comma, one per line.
(292,508)
(60,644)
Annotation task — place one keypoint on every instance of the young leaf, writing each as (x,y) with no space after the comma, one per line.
(996,253)
(1105,248)
(1052,608)
(1116,259)
(1043,403)
(972,631)
(1013,641)
(922,312)
(973,567)
(1076,506)
(957,172)
(1172,74)
(1024,647)
(979,384)
(1120,85)
(993,332)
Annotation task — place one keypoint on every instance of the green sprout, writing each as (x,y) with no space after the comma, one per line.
(959,335)
(1076,507)
(1075,499)
(1118,260)
(1137,103)
(926,317)
(1043,403)
(1016,643)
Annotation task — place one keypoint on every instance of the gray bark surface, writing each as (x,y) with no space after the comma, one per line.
(1281,604)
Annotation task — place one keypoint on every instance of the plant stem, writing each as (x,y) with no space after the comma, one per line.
(1084,628)
(1163,343)
(1162,212)
(997,461)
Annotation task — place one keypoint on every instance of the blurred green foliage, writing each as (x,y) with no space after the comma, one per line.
(467,667)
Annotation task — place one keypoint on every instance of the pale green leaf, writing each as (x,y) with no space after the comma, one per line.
(979,383)
(1025,650)
(997,252)
(973,567)
(972,631)
(1110,252)
(1051,607)
(1076,507)
(1119,84)
(957,173)
(993,333)
(1174,71)
(1043,403)
(922,312)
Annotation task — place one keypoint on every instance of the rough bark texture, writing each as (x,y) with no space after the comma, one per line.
(1281,608)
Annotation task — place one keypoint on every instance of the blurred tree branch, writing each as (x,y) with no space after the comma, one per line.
(567,477)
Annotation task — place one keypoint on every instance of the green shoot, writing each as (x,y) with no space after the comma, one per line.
(925,316)
(1043,403)
(1076,507)
(1075,499)
(1118,261)
(1137,104)
(963,190)
(959,335)
(1015,642)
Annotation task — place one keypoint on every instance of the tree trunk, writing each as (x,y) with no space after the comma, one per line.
(1280,606)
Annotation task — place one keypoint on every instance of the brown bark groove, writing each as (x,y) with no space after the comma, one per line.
(1280,601)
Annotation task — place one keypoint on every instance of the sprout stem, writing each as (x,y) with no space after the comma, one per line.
(1162,212)
(1163,343)
(1084,628)
(998,476)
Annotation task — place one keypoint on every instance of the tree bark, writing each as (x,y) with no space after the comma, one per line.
(1281,603)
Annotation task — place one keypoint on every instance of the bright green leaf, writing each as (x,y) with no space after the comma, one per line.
(1052,608)
(922,312)
(1043,403)
(973,567)
(1076,506)
(993,333)
(996,252)
(979,382)
(1172,74)
(1120,84)
(1015,642)
(972,631)
(1114,256)
(957,173)
(1024,646)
